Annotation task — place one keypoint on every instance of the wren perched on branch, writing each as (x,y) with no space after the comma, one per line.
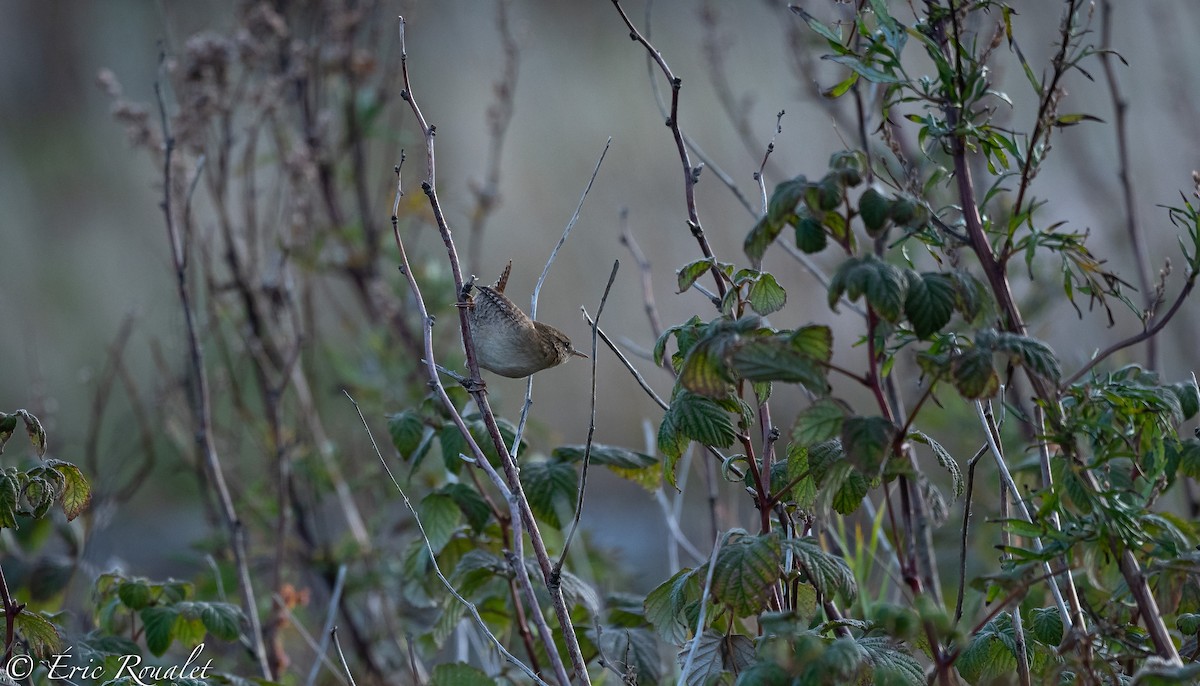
(507,341)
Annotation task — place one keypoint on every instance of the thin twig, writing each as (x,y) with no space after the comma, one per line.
(337,645)
(1132,224)
(591,432)
(708,578)
(628,365)
(962,543)
(537,289)
(200,402)
(335,601)
(690,174)
(1018,627)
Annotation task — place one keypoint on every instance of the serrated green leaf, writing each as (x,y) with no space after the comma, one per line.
(134,595)
(868,442)
(702,420)
(440,518)
(406,430)
(1187,451)
(746,570)
(665,606)
(705,370)
(944,458)
(551,487)
(883,285)
(850,492)
(974,375)
(1188,623)
(1046,625)
(671,443)
(778,358)
(891,664)
(1031,353)
(988,655)
(222,620)
(715,653)
(828,574)
(819,422)
(42,635)
(804,492)
(815,341)
(77,492)
(929,303)
(693,271)
(158,622)
(607,455)
(766,295)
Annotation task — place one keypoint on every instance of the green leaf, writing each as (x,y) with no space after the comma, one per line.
(867,442)
(839,89)
(134,595)
(551,488)
(223,620)
(891,664)
(804,493)
(472,505)
(883,285)
(33,428)
(8,424)
(842,660)
(702,420)
(406,430)
(873,207)
(1031,353)
(634,651)
(705,370)
(760,238)
(778,358)
(766,295)
(716,653)
(974,375)
(665,606)
(440,518)
(764,674)
(944,458)
(77,493)
(929,303)
(863,69)
(784,200)
(607,455)
(1188,623)
(1189,398)
(815,341)
(819,422)
(828,573)
(991,652)
(693,271)
(158,621)
(459,674)
(671,443)
(1064,120)
(42,635)
(746,570)
(1046,625)
(1187,451)
(817,27)
(810,235)
(10,494)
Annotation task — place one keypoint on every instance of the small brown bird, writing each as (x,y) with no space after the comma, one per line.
(507,341)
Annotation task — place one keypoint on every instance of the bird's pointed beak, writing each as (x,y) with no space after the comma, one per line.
(576,353)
